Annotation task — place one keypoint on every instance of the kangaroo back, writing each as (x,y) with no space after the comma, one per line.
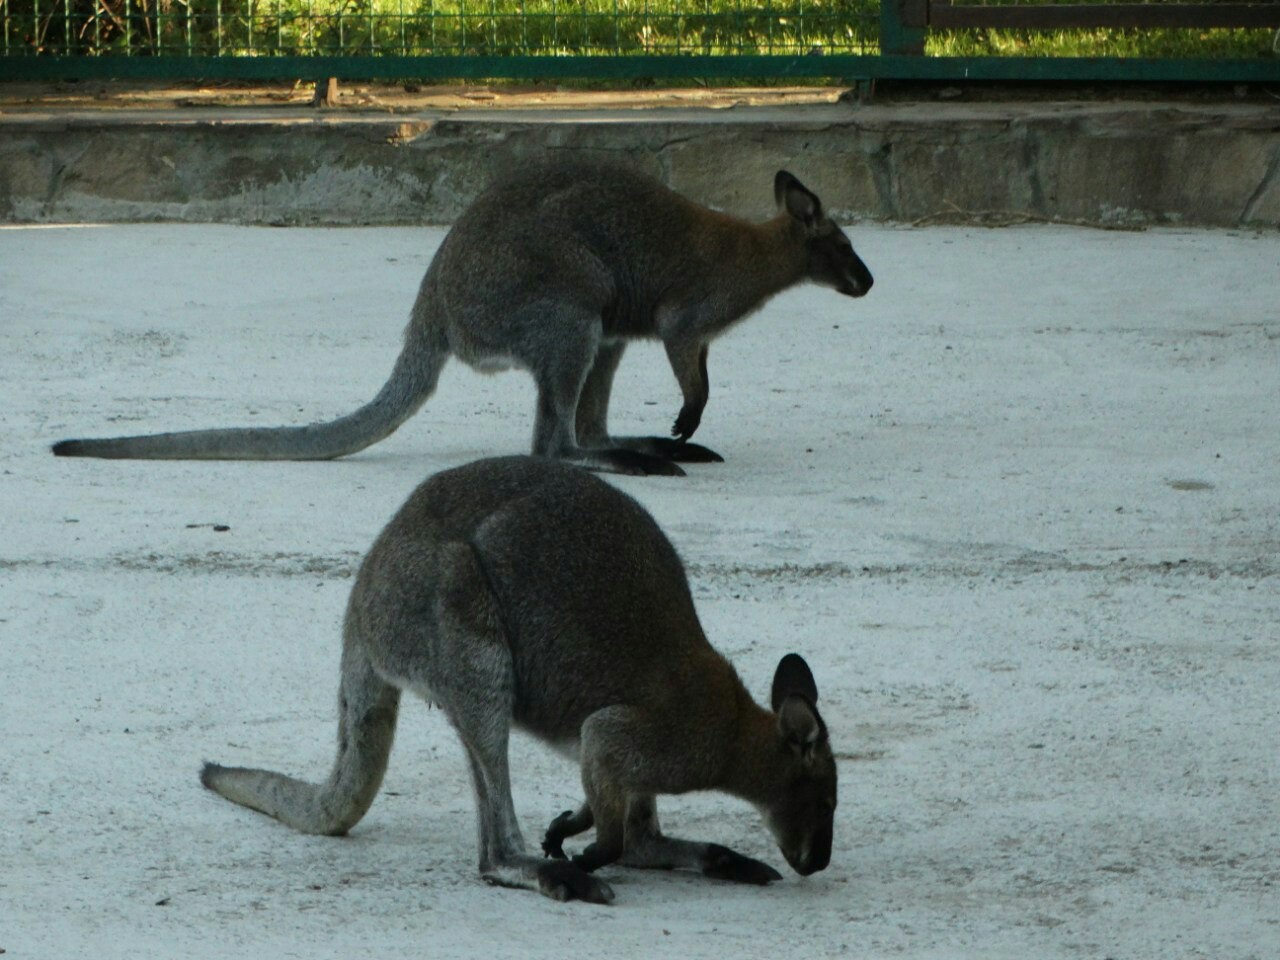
(527,593)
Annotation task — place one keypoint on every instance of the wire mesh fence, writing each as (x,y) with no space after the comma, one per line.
(418,28)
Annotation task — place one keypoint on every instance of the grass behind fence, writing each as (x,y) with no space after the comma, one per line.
(206,28)
(436,27)
(1106,42)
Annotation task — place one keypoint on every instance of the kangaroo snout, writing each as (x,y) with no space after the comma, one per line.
(810,852)
(810,858)
(857,282)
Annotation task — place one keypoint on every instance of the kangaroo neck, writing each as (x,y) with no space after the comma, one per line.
(750,761)
(750,262)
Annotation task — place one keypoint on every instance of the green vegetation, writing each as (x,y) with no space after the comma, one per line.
(1103,43)
(177,28)
(439,27)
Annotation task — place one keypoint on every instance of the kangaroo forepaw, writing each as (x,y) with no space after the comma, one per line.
(553,849)
(564,881)
(721,863)
(686,423)
(553,839)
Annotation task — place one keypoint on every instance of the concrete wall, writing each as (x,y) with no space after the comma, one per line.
(1117,164)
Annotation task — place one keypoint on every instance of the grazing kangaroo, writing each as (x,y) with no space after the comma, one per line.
(553,270)
(522,592)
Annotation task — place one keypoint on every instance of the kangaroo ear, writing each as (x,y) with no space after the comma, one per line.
(799,723)
(792,678)
(798,201)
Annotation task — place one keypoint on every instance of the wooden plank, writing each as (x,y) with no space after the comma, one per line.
(943,15)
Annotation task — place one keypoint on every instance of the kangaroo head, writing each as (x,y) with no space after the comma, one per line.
(831,260)
(801,812)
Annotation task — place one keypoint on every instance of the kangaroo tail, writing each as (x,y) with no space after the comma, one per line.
(366,728)
(412,381)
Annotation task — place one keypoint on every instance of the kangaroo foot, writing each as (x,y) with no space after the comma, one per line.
(682,451)
(721,863)
(633,462)
(670,449)
(556,879)
(563,881)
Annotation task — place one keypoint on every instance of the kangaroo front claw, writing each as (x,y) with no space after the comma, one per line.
(686,423)
(553,839)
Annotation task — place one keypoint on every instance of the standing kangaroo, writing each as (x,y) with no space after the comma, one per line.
(553,270)
(525,592)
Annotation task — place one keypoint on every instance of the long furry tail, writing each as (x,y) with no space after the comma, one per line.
(412,381)
(366,729)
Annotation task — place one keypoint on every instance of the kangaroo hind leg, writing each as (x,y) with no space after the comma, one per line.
(573,381)
(593,415)
(475,686)
(366,727)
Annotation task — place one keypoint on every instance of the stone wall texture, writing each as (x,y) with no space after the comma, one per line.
(1111,164)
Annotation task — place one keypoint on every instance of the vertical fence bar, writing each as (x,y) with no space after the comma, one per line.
(66,26)
(897,34)
(217,17)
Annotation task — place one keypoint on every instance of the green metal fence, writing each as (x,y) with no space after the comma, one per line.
(599,39)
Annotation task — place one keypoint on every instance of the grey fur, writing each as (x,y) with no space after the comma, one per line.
(554,270)
(523,592)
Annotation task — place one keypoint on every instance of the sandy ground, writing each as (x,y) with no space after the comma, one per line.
(1018,508)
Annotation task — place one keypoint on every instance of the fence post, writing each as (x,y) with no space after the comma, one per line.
(902,26)
(326,92)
